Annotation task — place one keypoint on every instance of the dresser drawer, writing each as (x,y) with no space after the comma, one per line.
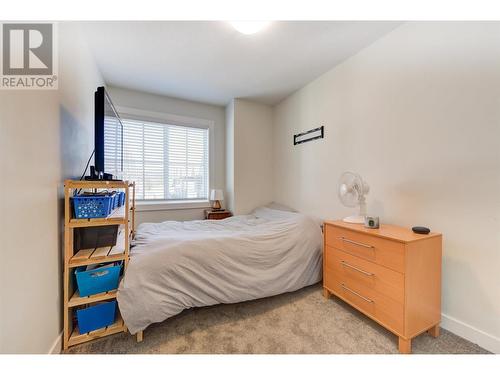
(357,271)
(388,253)
(385,310)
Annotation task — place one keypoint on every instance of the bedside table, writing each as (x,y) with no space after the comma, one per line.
(217,215)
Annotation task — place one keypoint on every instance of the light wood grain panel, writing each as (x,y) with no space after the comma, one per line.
(68,253)
(101,252)
(326,293)
(362,272)
(404,345)
(423,285)
(78,338)
(434,331)
(127,227)
(76,300)
(384,310)
(82,254)
(140,336)
(387,231)
(101,184)
(117,217)
(86,262)
(388,253)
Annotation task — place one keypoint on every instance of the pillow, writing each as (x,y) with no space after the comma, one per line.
(280,207)
(275,210)
(271,213)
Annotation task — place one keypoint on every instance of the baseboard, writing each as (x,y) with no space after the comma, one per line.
(56,347)
(481,338)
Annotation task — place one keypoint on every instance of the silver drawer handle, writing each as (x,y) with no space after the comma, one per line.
(344,263)
(356,243)
(357,294)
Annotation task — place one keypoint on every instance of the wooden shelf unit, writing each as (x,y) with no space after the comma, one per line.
(123,216)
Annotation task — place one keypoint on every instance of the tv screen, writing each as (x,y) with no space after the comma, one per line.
(108,136)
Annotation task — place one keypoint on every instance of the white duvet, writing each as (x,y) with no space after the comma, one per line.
(179,265)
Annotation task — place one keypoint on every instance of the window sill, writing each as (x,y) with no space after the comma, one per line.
(170,205)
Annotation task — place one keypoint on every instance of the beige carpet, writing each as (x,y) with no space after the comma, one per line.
(298,322)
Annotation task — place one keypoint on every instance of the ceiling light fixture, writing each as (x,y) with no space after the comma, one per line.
(249,27)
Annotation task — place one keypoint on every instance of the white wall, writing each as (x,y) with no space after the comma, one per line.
(163,104)
(229,195)
(417,114)
(46,137)
(249,147)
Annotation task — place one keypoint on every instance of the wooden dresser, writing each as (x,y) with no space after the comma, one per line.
(390,274)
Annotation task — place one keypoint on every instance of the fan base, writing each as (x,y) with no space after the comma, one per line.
(354,219)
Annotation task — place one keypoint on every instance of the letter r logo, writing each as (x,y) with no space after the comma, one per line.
(27,49)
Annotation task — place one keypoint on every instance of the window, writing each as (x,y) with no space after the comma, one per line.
(167,162)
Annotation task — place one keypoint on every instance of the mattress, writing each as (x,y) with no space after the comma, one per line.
(179,265)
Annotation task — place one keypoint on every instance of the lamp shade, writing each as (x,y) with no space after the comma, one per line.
(216,195)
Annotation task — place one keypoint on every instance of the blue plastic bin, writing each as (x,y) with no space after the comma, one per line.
(121,197)
(95,317)
(98,280)
(114,197)
(87,206)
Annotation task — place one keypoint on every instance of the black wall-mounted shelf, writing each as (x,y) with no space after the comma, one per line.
(309,135)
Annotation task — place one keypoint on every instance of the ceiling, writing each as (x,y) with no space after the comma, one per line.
(211,62)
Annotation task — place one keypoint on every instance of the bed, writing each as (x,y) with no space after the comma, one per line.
(179,265)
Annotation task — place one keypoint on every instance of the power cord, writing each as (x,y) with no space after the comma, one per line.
(85,171)
(87,166)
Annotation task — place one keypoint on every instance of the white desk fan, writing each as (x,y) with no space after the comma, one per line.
(352,190)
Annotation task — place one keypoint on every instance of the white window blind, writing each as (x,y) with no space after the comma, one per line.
(167,162)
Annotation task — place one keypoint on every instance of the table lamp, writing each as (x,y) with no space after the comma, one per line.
(216,196)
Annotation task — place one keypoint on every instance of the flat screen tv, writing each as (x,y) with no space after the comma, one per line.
(108,138)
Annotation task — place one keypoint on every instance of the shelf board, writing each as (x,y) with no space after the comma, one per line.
(72,184)
(76,223)
(115,217)
(86,257)
(76,300)
(78,338)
